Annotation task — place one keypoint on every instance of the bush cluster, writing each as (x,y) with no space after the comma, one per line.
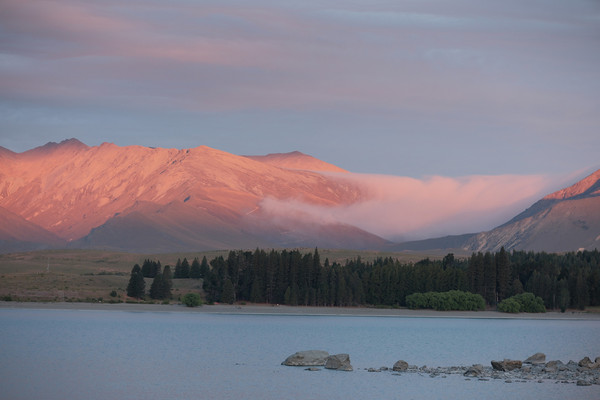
(446,301)
(524,302)
(192,300)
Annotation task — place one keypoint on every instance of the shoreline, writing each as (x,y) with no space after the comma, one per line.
(264,309)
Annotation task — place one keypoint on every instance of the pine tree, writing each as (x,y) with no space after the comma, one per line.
(489,268)
(177,274)
(136,286)
(564,297)
(228,295)
(157,287)
(195,269)
(502,273)
(147,269)
(582,296)
(204,268)
(167,282)
(185,269)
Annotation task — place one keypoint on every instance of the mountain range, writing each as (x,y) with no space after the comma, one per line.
(153,200)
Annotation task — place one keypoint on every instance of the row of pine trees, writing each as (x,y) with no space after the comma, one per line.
(296,278)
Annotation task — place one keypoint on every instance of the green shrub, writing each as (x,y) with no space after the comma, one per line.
(113,293)
(454,300)
(509,305)
(192,300)
(524,302)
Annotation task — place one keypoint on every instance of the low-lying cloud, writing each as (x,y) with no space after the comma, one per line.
(403,208)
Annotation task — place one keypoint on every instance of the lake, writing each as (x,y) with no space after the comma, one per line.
(77,354)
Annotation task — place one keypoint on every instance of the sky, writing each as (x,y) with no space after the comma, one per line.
(411,89)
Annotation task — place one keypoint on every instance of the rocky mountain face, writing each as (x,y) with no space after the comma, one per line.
(566,220)
(152,200)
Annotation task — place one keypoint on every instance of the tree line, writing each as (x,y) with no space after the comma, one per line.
(296,278)
(162,281)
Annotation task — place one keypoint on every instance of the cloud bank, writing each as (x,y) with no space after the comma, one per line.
(428,86)
(403,208)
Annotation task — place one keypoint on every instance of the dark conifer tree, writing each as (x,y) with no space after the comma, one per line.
(167,283)
(195,272)
(489,268)
(502,273)
(204,268)
(581,291)
(228,294)
(136,287)
(564,297)
(185,269)
(147,269)
(157,287)
(177,274)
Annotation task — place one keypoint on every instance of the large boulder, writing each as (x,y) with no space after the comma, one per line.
(308,358)
(400,365)
(340,362)
(474,370)
(537,358)
(553,366)
(585,362)
(506,365)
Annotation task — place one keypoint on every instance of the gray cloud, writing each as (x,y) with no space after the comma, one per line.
(485,80)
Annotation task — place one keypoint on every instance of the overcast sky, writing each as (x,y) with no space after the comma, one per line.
(404,88)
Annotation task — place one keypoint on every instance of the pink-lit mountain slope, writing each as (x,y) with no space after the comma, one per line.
(16,233)
(567,220)
(151,199)
(297,160)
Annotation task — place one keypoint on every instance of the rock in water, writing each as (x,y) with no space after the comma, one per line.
(400,365)
(552,366)
(537,358)
(474,370)
(585,362)
(506,365)
(308,358)
(340,362)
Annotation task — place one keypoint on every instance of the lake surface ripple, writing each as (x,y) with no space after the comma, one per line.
(73,354)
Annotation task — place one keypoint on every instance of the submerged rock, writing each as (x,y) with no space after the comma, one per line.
(537,358)
(308,358)
(400,365)
(340,362)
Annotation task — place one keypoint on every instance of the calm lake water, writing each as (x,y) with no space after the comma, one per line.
(69,354)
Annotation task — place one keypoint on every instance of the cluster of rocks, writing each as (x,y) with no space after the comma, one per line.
(535,368)
(319,358)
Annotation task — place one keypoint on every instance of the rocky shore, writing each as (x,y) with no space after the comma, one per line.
(535,368)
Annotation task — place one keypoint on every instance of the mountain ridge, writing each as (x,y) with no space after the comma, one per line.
(73,190)
(136,198)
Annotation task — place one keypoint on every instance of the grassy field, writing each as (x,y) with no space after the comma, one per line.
(91,275)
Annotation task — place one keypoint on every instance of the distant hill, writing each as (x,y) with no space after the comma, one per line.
(566,220)
(442,243)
